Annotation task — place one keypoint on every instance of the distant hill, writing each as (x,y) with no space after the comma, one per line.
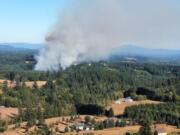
(128,52)
(131,50)
(20,46)
(8,48)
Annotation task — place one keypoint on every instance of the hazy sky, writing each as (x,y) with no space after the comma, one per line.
(155,23)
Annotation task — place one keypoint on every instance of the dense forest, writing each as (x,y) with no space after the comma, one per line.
(168,113)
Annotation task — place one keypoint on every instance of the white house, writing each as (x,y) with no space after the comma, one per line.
(80,126)
(128,99)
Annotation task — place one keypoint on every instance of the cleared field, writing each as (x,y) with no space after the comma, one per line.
(54,123)
(29,84)
(81,117)
(40,84)
(9,83)
(168,128)
(15,131)
(12,132)
(110,131)
(6,113)
(120,108)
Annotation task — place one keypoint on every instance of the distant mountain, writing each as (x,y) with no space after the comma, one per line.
(21,46)
(132,53)
(127,51)
(8,48)
(131,50)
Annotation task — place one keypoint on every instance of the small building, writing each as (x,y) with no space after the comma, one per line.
(128,99)
(80,126)
(117,102)
(87,128)
(30,59)
(160,131)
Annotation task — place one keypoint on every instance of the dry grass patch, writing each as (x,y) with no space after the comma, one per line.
(29,84)
(120,108)
(7,113)
(40,84)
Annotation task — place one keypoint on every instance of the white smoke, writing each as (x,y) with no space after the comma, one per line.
(91,30)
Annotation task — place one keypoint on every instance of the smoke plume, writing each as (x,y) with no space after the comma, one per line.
(91,30)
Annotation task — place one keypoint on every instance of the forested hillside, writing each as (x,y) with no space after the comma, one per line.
(88,85)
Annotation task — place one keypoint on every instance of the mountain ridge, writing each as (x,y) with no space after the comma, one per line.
(21,45)
(125,50)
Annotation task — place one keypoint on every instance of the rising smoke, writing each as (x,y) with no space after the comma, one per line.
(91,30)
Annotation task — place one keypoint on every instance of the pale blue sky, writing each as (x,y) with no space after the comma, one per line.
(28,20)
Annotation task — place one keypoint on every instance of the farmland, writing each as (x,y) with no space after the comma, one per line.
(120,108)
(58,123)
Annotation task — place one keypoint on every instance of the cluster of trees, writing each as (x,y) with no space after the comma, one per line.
(14,61)
(162,113)
(42,130)
(166,95)
(28,75)
(92,109)
(3,125)
(109,123)
(18,65)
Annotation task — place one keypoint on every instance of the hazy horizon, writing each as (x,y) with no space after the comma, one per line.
(39,45)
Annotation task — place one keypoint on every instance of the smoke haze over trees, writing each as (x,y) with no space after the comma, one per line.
(92,30)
